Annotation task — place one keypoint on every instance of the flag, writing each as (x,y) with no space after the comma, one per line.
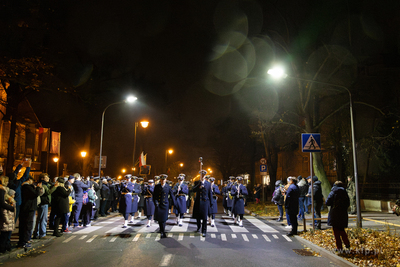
(55,142)
(142,161)
(44,139)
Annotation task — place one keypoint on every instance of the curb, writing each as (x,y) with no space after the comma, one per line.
(325,253)
(18,251)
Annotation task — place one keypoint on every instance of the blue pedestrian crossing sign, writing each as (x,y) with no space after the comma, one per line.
(311,142)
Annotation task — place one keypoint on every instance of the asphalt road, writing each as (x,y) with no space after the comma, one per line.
(259,243)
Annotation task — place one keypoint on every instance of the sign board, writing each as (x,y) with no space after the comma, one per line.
(263,161)
(103,162)
(311,142)
(263,169)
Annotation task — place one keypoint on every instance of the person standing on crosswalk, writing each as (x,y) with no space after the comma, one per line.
(125,204)
(181,191)
(292,203)
(135,198)
(202,203)
(229,197)
(224,196)
(141,198)
(160,197)
(239,192)
(215,191)
(147,194)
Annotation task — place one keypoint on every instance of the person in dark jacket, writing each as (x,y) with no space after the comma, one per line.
(104,194)
(238,191)
(278,198)
(43,207)
(292,203)
(96,204)
(202,202)
(149,207)
(111,195)
(180,191)
(161,197)
(137,189)
(318,199)
(303,187)
(141,198)
(79,187)
(215,192)
(29,193)
(339,202)
(257,193)
(60,204)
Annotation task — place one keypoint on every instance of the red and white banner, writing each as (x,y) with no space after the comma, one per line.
(55,142)
(142,161)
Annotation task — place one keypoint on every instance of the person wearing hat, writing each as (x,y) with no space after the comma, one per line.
(79,187)
(181,192)
(224,196)
(141,198)
(125,204)
(238,192)
(60,203)
(135,198)
(202,203)
(214,209)
(112,196)
(149,207)
(292,203)
(162,196)
(104,196)
(229,197)
(303,187)
(96,205)
(318,199)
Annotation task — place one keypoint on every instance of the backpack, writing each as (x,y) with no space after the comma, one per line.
(85,197)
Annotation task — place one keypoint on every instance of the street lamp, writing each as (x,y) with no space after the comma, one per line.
(83,154)
(130,99)
(56,160)
(181,164)
(168,151)
(144,124)
(123,170)
(280,73)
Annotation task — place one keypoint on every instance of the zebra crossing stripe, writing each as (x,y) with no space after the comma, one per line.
(113,239)
(255,236)
(261,225)
(158,237)
(69,239)
(91,239)
(213,236)
(83,237)
(148,235)
(266,238)
(287,238)
(223,237)
(245,237)
(180,238)
(170,235)
(136,238)
(202,238)
(191,235)
(166,259)
(275,236)
(234,236)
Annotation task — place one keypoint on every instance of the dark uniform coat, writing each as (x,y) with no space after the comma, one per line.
(339,201)
(215,190)
(135,198)
(180,200)
(147,194)
(125,204)
(141,200)
(161,200)
(224,193)
(238,204)
(229,201)
(202,202)
(60,200)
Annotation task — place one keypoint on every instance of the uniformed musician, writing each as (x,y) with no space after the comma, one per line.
(160,197)
(202,203)
(147,194)
(238,191)
(135,198)
(224,194)
(125,204)
(215,191)
(141,198)
(181,192)
(229,198)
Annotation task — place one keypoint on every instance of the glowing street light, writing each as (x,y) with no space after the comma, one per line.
(83,154)
(181,164)
(56,160)
(168,151)
(144,124)
(123,170)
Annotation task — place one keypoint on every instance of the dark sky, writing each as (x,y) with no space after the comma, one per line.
(192,65)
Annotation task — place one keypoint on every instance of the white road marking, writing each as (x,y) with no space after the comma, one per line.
(213,236)
(170,235)
(69,239)
(91,239)
(180,238)
(87,230)
(223,237)
(202,238)
(245,237)
(158,237)
(234,236)
(260,225)
(191,235)
(235,228)
(255,236)
(113,239)
(83,237)
(275,236)
(136,238)
(266,238)
(148,235)
(166,260)
(287,238)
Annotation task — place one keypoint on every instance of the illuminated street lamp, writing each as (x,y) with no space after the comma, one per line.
(56,160)
(181,164)
(168,151)
(280,73)
(144,124)
(130,99)
(123,170)
(83,155)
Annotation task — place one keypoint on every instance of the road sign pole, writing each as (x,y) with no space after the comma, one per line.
(312,192)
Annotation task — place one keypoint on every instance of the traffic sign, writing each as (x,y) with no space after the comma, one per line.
(263,161)
(263,168)
(311,142)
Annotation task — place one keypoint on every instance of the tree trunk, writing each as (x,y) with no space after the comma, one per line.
(320,173)
(11,140)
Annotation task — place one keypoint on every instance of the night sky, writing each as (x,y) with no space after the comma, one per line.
(195,66)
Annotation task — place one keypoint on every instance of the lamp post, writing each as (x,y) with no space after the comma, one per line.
(168,151)
(279,73)
(130,99)
(83,155)
(56,160)
(144,124)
